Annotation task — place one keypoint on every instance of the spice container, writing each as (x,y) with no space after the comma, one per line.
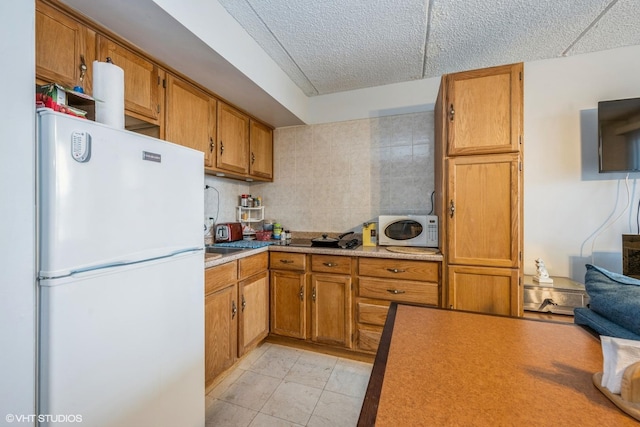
(277,231)
(369,234)
(244,200)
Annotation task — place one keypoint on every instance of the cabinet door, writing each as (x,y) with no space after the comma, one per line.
(221,320)
(141,80)
(331,309)
(190,117)
(484,110)
(253,295)
(483,210)
(63,46)
(288,308)
(232,153)
(261,150)
(485,290)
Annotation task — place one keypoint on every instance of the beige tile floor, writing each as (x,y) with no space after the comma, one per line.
(281,386)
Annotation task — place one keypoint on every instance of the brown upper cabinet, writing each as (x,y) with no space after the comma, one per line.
(190,117)
(261,150)
(232,152)
(479,188)
(142,82)
(484,110)
(158,101)
(65,49)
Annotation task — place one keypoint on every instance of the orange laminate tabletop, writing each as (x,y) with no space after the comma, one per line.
(453,368)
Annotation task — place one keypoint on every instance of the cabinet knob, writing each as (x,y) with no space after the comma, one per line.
(221,147)
(244,303)
(212,145)
(253,158)
(329,264)
(313,295)
(395,291)
(301,293)
(396,270)
(452,112)
(452,208)
(234,309)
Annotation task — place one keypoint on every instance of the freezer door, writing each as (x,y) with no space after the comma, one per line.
(125,346)
(108,195)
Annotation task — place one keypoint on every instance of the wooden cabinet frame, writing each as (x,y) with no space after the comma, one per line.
(479,188)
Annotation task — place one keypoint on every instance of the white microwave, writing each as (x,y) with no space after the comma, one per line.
(408,230)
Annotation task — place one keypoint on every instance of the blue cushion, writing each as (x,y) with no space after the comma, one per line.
(614,296)
(587,317)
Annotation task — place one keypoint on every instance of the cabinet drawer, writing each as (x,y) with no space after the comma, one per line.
(220,276)
(252,265)
(399,269)
(331,264)
(287,261)
(399,290)
(372,313)
(369,340)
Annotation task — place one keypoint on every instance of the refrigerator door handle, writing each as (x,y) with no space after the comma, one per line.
(100,267)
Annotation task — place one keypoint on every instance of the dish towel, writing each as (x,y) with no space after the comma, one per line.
(618,354)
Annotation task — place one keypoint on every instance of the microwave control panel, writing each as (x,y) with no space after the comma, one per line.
(432,231)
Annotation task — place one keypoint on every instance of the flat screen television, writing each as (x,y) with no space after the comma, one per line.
(619,135)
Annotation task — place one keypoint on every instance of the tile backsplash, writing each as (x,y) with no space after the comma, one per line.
(335,176)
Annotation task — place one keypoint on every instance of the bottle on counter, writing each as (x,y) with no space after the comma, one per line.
(277,231)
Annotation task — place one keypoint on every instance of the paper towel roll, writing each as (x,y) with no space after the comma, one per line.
(108,91)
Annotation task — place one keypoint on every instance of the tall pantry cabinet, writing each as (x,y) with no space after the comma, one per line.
(479,190)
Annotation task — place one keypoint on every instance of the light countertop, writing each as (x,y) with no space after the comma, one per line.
(361,251)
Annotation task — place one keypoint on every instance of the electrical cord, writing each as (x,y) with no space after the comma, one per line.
(206,187)
(433,193)
(593,243)
(638,217)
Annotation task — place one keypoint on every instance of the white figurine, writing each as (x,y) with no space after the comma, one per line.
(542,275)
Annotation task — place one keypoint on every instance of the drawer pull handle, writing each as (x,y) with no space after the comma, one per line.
(395,270)
(330,264)
(286,261)
(395,291)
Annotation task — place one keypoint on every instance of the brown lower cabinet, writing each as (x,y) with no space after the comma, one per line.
(331,300)
(288,294)
(342,301)
(254,311)
(236,312)
(311,303)
(382,280)
(220,331)
(220,317)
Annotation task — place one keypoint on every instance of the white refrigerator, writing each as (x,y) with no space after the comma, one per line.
(121,277)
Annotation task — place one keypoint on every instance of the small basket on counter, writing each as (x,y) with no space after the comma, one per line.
(263,235)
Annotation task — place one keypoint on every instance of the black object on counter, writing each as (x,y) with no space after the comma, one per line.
(328,242)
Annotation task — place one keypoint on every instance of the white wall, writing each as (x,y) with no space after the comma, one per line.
(399,98)
(567,202)
(17,195)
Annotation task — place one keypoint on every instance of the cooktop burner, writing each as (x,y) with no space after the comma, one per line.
(299,243)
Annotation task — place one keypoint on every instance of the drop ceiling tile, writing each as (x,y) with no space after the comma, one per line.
(620,26)
(480,33)
(341,44)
